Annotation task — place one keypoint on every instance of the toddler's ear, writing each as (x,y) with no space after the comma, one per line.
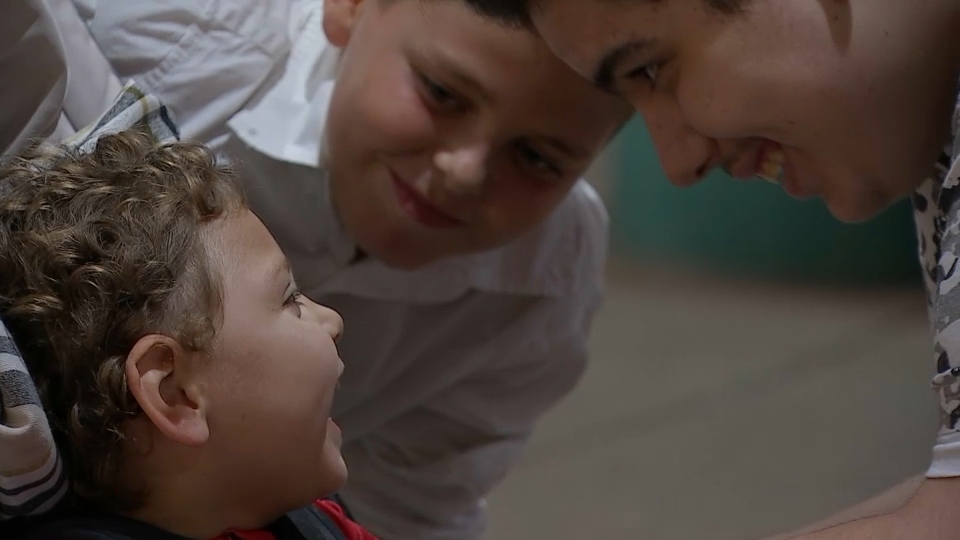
(157,373)
(339,19)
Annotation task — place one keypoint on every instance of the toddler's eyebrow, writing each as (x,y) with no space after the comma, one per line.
(281,272)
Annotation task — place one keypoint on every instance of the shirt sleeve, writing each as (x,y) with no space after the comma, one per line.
(938,223)
(205,59)
(425,474)
(31,53)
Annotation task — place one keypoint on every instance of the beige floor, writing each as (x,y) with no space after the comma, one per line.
(717,410)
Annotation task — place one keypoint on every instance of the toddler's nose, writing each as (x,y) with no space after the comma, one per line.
(331,321)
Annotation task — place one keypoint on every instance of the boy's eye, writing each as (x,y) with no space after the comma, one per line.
(294,301)
(648,72)
(438,95)
(536,160)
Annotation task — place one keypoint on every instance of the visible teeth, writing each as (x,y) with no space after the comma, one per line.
(771,169)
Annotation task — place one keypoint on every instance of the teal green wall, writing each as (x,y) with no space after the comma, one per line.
(749,228)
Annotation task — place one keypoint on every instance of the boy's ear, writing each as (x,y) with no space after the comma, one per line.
(157,372)
(339,19)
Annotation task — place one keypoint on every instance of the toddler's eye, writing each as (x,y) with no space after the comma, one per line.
(294,300)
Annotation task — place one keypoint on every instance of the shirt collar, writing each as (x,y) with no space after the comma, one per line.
(276,124)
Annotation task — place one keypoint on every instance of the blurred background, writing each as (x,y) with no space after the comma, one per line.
(756,366)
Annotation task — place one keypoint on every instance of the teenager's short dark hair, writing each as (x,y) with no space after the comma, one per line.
(510,12)
(517,12)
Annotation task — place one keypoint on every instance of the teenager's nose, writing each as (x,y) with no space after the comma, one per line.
(685,155)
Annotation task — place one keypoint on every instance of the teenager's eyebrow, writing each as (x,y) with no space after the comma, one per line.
(605,74)
(570,151)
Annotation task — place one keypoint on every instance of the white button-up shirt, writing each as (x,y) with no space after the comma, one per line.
(41,100)
(448,367)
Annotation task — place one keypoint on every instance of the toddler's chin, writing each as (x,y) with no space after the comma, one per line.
(334,473)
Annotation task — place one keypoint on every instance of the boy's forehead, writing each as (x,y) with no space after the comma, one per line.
(501,64)
(523,89)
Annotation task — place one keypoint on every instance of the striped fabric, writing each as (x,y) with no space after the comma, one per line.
(32,479)
(132,109)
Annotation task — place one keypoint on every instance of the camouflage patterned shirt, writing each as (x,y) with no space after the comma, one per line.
(937,212)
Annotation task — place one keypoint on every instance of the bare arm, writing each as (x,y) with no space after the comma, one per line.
(918,509)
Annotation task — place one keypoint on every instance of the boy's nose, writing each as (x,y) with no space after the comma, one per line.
(464,169)
(685,155)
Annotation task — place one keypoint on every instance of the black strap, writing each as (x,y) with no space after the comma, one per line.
(343,505)
(308,523)
(97,527)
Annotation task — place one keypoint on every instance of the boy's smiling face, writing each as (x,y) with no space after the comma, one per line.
(448,133)
(856,93)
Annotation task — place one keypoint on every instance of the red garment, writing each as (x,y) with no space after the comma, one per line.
(351,529)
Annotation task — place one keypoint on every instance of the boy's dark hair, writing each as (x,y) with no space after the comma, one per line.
(96,251)
(514,13)
(517,12)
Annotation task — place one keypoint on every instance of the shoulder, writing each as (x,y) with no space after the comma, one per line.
(204,58)
(582,213)
(937,215)
(565,256)
(139,25)
(937,211)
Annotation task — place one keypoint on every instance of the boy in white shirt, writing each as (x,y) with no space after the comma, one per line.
(444,211)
